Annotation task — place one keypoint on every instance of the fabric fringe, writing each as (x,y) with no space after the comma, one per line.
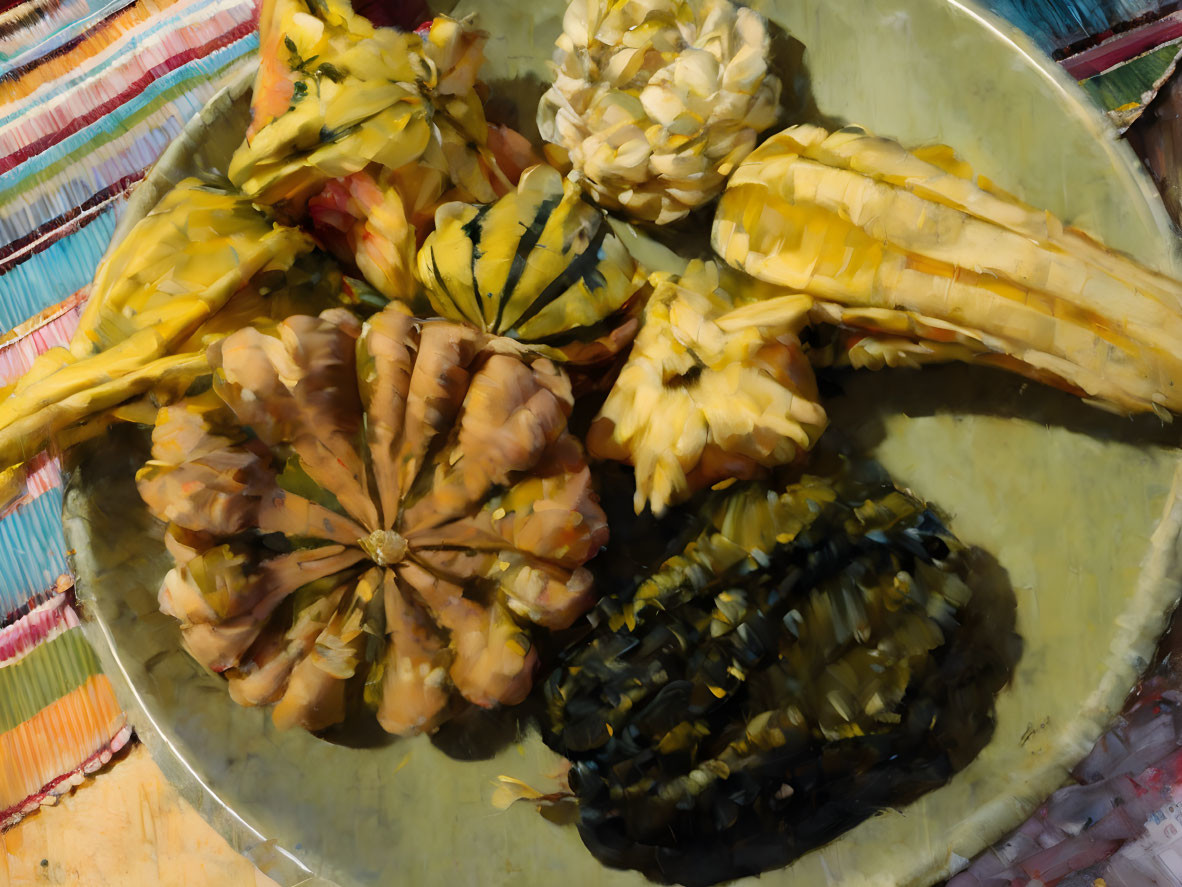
(52,752)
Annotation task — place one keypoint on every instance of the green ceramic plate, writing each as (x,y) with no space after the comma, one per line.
(1080,508)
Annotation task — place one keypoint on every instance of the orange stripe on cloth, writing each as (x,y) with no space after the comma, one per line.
(97,40)
(59,740)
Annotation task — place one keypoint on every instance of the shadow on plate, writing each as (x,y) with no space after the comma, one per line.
(859,402)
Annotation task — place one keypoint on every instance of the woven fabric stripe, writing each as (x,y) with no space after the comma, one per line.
(33,60)
(53,274)
(91,91)
(44,474)
(53,669)
(56,740)
(52,328)
(42,624)
(1061,24)
(37,477)
(32,554)
(37,28)
(17,355)
(123,142)
(74,219)
(66,66)
(130,55)
(37,321)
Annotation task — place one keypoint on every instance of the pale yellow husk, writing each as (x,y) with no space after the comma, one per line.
(907,242)
(710,391)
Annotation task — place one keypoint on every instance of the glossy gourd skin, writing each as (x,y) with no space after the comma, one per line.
(540,266)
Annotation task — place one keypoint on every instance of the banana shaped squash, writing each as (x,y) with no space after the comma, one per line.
(909,246)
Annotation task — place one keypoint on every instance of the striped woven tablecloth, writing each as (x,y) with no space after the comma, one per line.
(90,94)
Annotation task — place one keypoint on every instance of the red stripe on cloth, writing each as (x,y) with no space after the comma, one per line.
(1124,47)
(63,586)
(41,319)
(42,474)
(150,76)
(17,73)
(45,474)
(31,629)
(18,354)
(82,720)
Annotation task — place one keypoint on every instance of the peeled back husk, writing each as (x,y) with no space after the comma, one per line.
(907,245)
(334,94)
(153,297)
(711,389)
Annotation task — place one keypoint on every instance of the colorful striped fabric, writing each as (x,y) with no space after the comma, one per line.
(91,91)
(1121,51)
(58,714)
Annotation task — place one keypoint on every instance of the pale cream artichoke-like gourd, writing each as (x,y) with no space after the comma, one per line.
(710,391)
(657,101)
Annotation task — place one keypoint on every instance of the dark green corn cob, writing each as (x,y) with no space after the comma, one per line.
(786,675)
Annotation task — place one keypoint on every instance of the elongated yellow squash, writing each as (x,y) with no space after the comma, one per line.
(154,301)
(908,243)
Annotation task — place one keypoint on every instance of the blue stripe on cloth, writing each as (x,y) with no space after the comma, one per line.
(32,552)
(133,41)
(130,43)
(40,204)
(55,273)
(1058,25)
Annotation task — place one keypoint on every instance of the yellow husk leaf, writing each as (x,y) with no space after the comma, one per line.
(152,295)
(709,391)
